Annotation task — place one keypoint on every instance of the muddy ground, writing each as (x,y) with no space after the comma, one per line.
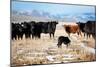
(45,50)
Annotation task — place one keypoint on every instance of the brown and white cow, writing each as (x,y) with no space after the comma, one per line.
(72,29)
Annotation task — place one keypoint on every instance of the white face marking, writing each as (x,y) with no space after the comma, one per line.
(22,25)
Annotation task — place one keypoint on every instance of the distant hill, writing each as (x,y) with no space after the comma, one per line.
(22,18)
(45,16)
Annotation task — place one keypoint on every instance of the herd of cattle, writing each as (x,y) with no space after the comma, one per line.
(33,28)
(88,28)
(36,28)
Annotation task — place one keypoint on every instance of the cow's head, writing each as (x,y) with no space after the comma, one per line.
(54,23)
(18,27)
(24,24)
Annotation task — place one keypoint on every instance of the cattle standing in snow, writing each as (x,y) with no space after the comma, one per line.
(64,40)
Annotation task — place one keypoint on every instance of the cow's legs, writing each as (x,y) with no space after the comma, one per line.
(66,45)
(93,35)
(26,36)
(18,37)
(87,35)
(59,44)
(39,35)
(15,37)
(69,34)
(53,35)
(32,36)
(79,33)
(84,34)
(50,35)
(29,36)
(21,36)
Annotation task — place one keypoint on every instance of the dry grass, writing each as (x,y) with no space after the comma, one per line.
(45,50)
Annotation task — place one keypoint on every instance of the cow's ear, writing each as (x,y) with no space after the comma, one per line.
(48,22)
(56,22)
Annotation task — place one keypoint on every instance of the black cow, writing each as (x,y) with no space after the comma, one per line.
(17,30)
(26,29)
(90,28)
(81,26)
(64,40)
(49,27)
(45,27)
(38,30)
(33,28)
(52,28)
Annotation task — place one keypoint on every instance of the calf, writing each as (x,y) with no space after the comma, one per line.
(64,40)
